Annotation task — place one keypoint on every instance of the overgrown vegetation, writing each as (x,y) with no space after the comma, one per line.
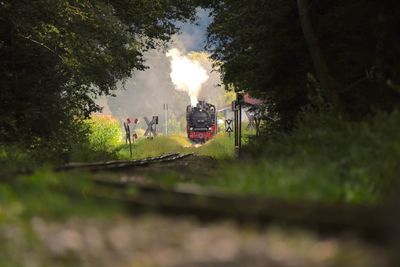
(325,158)
(105,133)
(49,194)
(95,139)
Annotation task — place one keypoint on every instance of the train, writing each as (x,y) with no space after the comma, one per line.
(201,122)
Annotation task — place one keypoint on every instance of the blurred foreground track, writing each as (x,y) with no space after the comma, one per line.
(141,194)
(121,164)
(374,223)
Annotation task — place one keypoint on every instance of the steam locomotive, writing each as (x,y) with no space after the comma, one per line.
(201,122)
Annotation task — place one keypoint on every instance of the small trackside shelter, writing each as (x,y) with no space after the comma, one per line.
(252,101)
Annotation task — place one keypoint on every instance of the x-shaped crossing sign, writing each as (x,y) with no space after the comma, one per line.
(228,126)
(252,120)
(151,129)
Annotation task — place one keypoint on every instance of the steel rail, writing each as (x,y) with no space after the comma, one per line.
(110,165)
(376,222)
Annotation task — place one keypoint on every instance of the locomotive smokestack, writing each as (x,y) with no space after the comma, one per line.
(201,104)
(186,74)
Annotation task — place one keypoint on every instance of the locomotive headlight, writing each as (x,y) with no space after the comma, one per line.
(191,128)
(209,128)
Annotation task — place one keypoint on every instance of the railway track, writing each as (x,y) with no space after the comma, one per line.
(122,164)
(187,199)
(370,222)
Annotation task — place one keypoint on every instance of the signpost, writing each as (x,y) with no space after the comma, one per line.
(134,134)
(237,108)
(228,127)
(128,135)
(254,120)
(166,118)
(151,130)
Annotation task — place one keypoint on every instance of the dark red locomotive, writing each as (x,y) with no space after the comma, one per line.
(201,122)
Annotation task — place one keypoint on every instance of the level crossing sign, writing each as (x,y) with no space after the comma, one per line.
(228,126)
(252,120)
(151,126)
(134,134)
(127,130)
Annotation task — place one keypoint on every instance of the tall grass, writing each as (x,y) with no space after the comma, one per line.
(220,147)
(325,158)
(104,135)
(157,146)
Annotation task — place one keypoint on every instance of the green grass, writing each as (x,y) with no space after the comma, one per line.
(144,148)
(53,195)
(46,196)
(324,159)
(220,147)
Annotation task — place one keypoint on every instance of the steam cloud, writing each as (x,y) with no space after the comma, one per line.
(187,75)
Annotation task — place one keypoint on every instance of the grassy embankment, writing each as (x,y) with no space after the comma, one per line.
(324,159)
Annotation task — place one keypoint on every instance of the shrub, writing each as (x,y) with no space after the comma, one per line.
(105,133)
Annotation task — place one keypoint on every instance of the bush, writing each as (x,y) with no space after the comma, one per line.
(26,155)
(105,133)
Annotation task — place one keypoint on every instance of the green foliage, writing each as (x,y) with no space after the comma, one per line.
(14,159)
(48,194)
(360,41)
(325,158)
(176,125)
(57,56)
(262,50)
(105,133)
(95,139)
(24,158)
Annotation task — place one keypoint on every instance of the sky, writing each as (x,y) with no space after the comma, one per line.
(193,36)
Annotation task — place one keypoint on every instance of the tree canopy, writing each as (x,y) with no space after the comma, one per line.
(56,56)
(265,49)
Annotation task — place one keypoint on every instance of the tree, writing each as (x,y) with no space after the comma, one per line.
(56,56)
(283,50)
(320,65)
(262,50)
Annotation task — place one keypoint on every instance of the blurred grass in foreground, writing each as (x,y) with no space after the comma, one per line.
(50,194)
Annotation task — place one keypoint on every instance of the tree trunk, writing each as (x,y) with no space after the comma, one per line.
(321,67)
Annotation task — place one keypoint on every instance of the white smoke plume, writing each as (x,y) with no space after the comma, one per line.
(187,75)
